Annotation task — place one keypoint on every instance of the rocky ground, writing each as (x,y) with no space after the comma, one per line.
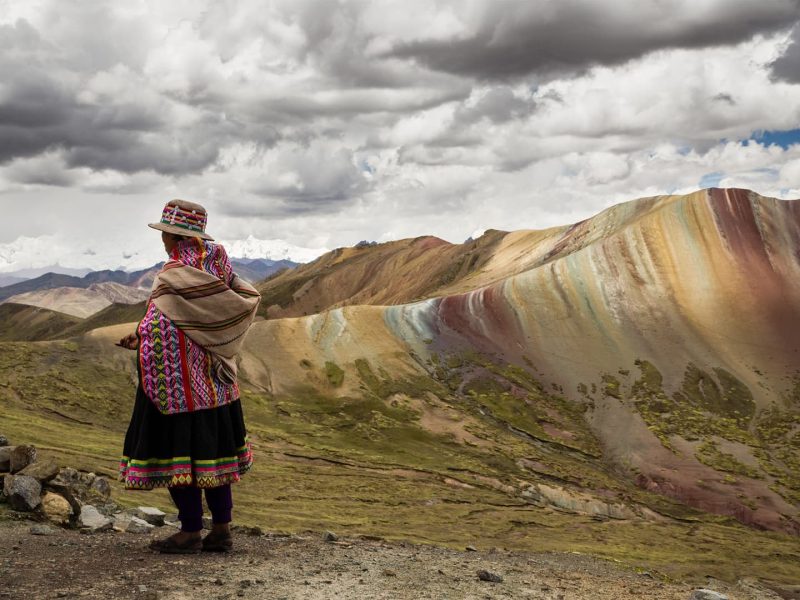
(64,563)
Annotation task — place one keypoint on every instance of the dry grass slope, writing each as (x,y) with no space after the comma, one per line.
(375,462)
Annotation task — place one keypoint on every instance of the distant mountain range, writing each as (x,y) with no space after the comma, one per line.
(11,279)
(32,291)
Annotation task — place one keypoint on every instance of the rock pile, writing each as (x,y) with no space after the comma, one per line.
(66,496)
(41,487)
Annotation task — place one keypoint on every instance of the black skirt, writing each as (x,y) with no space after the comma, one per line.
(204,448)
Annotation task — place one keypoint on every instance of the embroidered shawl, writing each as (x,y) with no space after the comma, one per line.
(197,317)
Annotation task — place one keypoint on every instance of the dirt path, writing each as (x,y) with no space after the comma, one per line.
(68,564)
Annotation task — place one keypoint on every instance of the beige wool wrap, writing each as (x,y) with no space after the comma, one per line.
(211,313)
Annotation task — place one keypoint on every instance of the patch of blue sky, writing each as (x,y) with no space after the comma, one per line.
(784,138)
(710,180)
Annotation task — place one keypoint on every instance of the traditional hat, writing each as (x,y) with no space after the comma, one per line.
(182,217)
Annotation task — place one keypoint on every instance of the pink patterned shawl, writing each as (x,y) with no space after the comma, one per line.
(196,319)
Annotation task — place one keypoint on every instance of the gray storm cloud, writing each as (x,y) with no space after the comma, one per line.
(787,66)
(550,38)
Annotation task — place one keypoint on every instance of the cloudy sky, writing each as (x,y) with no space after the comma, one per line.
(323,123)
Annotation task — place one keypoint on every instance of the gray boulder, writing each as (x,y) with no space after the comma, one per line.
(100,487)
(151,515)
(24,493)
(21,457)
(124,521)
(91,521)
(137,525)
(41,471)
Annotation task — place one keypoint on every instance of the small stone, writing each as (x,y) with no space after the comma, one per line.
(142,588)
(137,525)
(69,474)
(254,531)
(389,573)
(3,441)
(21,457)
(489,576)
(704,594)
(120,521)
(91,521)
(42,530)
(41,471)
(218,581)
(471,549)
(23,492)
(100,486)
(150,514)
(329,536)
(207,523)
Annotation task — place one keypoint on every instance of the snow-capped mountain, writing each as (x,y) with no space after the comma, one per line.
(28,257)
(271,249)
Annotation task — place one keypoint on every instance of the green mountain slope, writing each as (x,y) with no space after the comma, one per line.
(20,322)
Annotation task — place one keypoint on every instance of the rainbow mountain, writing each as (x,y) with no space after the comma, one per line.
(670,324)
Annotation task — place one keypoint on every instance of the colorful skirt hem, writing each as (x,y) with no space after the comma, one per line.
(183,471)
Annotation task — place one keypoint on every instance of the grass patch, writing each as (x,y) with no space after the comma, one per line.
(611,386)
(334,374)
(709,454)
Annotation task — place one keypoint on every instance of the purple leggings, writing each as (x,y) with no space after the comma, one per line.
(189,501)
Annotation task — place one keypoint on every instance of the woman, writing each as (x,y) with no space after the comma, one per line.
(187,431)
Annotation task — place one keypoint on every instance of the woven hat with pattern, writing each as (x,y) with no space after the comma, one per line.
(182,217)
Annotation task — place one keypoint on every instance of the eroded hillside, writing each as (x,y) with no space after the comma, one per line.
(672,324)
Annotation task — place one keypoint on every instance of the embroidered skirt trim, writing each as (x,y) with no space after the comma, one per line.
(183,471)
